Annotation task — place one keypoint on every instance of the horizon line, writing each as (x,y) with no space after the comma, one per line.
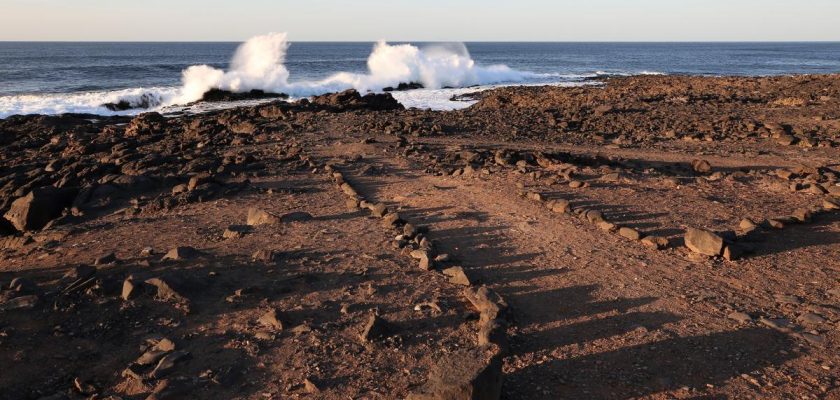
(432,41)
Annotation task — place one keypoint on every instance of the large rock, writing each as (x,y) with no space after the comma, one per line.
(38,208)
(704,242)
(471,374)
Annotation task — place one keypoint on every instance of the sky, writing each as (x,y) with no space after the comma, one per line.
(427,20)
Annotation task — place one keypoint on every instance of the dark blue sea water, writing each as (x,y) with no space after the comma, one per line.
(60,77)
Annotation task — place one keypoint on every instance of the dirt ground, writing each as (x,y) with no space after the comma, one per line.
(526,191)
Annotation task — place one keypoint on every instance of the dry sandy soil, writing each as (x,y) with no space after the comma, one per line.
(572,204)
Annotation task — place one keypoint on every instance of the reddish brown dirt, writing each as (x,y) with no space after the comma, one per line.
(593,314)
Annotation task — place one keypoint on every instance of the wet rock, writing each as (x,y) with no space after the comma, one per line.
(703,242)
(39,207)
(375,328)
(457,276)
(471,374)
(260,217)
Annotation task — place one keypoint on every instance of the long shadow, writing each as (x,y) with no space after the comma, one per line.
(647,369)
(822,231)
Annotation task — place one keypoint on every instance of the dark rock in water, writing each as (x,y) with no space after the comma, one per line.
(352,100)
(146,100)
(472,96)
(39,207)
(216,95)
(404,86)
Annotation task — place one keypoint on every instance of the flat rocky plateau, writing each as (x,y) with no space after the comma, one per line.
(646,238)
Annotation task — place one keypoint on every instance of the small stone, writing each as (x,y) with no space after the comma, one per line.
(457,276)
(811,319)
(747,225)
(391,219)
(831,205)
(181,253)
(375,328)
(167,364)
(655,242)
(801,215)
(379,210)
(560,206)
(234,232)
(260,217)
(594,216)
(741,317)
(264,256)
(629,233)
(106,259)
(606,226)
(774,223)
(311,387)
(732,252)
(535,196)
(575,184)
(165,292)
(352,204)
(129,289)
(701,166)
(271,320)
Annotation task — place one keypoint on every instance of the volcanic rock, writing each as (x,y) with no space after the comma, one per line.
(39,207)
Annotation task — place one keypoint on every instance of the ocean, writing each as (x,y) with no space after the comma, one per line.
(51,78)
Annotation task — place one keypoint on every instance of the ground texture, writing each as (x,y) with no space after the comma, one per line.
(651,237)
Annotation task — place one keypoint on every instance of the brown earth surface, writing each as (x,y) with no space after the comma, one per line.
(297,277)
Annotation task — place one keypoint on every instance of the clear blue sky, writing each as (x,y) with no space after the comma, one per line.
(445,20)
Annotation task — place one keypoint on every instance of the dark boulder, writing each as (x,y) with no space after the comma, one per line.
(39,207)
